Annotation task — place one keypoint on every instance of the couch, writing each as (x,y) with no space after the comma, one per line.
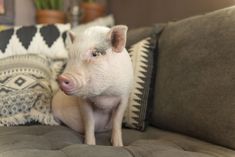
(192,114)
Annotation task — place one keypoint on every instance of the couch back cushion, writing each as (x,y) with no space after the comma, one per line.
(195,86)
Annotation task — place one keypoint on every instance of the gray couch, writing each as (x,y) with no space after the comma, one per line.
(194,101)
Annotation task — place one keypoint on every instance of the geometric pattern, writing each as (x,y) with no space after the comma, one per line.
(54,34)
(25,91)
(26,39)
(142,56)
(5,37)
(39,39)
(20,81)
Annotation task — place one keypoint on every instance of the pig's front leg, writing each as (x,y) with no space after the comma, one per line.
(89,123)
(118,114)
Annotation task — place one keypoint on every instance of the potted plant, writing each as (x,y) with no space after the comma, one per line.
(90,10)
(49,11)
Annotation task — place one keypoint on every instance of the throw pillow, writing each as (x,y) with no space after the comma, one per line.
(57,67)
(142,55)
(25,92)
(39,39)
(137,34)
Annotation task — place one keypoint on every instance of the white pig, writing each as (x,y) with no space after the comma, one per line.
(96,83)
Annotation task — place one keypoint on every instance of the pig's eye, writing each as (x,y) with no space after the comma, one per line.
(96,53)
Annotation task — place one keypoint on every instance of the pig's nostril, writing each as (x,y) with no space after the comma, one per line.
(66,82)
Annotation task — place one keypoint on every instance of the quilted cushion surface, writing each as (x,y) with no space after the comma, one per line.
(60,141)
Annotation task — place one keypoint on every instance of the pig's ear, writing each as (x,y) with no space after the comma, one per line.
(70,37)
(117,36)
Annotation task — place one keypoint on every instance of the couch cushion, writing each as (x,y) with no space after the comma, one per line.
(60,141)
(195,89)
(25,91)
(40,39)
(160,143)
(162,149)
(142,49)
(142,56)
(137,34)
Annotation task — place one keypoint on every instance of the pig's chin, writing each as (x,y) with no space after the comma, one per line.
(71,92)
(67,92)
(80,92)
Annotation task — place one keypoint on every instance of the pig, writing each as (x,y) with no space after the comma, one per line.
(96,83)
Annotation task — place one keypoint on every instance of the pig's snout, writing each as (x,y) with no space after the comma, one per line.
(67,83)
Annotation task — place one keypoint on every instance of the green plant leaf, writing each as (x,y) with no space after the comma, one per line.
(89,1)
(44,4)
(61,4)
(37,4)
(52,4)
(49,4)
(57,4)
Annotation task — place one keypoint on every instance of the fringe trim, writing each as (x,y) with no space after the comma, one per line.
(23,118)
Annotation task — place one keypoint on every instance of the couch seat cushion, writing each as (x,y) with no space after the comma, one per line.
(60,141)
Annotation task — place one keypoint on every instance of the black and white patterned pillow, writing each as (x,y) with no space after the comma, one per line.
(39,39)
(142,55)
(25,90)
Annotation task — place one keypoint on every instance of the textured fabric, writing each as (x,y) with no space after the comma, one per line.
(25,93)
(60,141)
(137,34)
(142,56)
(40,39)
(195,78)
(57,66)
(161,148)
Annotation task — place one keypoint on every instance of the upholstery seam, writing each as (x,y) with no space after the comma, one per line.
(129,151)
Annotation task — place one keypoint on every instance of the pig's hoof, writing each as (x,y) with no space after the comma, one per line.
(117,142)
(90,142)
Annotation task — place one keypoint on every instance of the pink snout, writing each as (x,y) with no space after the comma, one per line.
(66,83)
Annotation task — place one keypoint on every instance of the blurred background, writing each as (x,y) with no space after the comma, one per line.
(134,13)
